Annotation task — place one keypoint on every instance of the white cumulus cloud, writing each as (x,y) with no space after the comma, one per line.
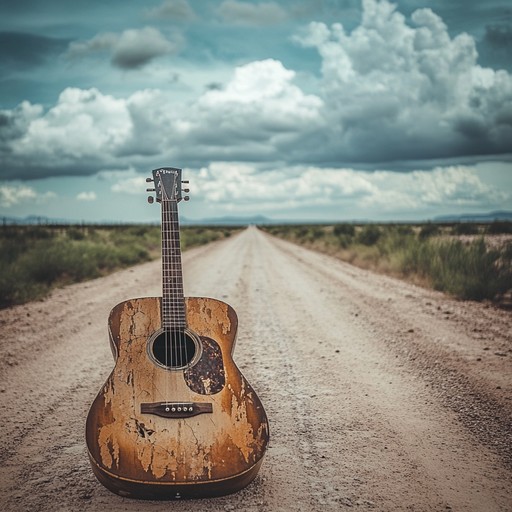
(83,125)
(11,195)
(130,185)
(14,194)
(258,115)
(86,196)
(398,91)
(242,186)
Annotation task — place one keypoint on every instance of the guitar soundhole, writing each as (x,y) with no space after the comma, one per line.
(174,349)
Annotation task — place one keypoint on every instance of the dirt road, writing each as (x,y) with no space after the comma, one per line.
(380,395)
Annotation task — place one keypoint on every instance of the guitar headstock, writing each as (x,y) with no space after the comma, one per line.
(168,183)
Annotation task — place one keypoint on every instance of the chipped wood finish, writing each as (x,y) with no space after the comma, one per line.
(207,376)
(148,456)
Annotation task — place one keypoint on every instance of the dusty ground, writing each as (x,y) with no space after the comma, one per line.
(381,395)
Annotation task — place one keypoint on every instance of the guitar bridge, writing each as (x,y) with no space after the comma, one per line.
(176,409)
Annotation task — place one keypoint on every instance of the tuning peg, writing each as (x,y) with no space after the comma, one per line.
(150,190)
(186,190)
(184,181)
(151,199)
(148,180)
(186,198)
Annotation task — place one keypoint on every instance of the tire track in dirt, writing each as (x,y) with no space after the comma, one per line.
(444,340)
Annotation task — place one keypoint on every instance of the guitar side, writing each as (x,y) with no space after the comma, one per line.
(147,455)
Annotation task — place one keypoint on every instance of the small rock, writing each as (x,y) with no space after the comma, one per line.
(501,354)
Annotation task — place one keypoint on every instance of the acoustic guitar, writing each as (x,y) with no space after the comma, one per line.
(175,418)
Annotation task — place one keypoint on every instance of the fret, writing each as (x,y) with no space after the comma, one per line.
(173,301)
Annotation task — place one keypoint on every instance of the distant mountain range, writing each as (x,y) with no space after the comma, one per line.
(229,221)
(34,220)
(475,217)
(259,220)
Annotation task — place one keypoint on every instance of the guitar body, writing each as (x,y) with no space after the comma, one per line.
(203,431)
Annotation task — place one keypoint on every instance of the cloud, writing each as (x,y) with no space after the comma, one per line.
(86,196)
(390,92)
(15,123)
(499,35)
(441,187)
(258,115)
(246,13)
(80,134)
(179,10)
(130,185)
(394,91)
(329,193)
(242,186)
(132,49)
(11,195)
(21,50)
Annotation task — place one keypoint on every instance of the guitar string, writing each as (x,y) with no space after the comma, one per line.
(165,291)
(172,280)
(182,303)
(178,275)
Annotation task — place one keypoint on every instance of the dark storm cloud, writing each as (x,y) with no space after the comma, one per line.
(21,50)
(499,35)
(131,49)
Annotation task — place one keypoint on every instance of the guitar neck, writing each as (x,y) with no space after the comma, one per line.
(173,301)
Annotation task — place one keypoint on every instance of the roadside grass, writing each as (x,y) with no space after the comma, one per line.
(36,259)
(434,255)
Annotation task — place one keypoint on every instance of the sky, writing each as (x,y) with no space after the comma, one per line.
(321,110)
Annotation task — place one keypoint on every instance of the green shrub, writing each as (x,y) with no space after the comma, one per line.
(467,271)
(465,228)
(344,241)
(344,230)
(75,233)
(428,230)
(369,235)
(500,227)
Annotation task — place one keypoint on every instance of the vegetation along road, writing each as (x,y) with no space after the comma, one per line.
(381,395)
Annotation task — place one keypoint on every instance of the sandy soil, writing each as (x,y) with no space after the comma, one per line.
(381,395)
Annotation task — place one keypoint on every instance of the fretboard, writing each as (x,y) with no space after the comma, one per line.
(173,302)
